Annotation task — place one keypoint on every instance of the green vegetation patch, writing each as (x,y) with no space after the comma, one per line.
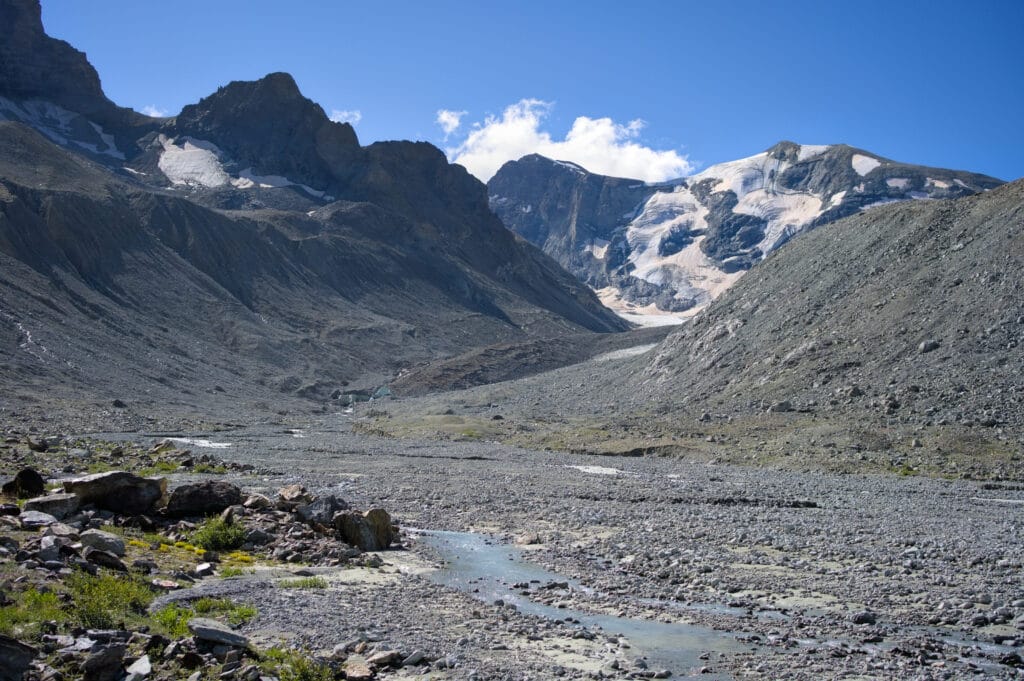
(217,535)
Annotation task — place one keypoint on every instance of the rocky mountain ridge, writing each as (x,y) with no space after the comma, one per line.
(673,247)
(247,251)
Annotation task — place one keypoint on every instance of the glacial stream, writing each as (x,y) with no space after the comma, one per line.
(488,569)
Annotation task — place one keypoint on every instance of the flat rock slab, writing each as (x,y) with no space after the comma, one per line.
(60,506)
(213,631)
(31,520)
(118,491)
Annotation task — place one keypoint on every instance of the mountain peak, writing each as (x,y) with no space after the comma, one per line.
(35,66)
(268,125)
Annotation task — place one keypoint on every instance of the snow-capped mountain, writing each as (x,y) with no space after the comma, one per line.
(668,249)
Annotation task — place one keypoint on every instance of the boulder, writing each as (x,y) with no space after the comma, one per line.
(203,498)
(212,631)
(15,658)
(118,491)
(60,506)
(380,523)
(322,510)
(27,483)
(104,541)
(370,531)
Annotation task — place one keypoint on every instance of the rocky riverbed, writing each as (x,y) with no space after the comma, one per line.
(808,575)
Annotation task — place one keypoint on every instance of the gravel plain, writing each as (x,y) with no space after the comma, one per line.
(817,575)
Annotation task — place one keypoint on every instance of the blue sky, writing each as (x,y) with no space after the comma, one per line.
(937,83)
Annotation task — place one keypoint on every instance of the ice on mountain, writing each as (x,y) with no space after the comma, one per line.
(864,164)
(897,182)
(811,150)
(192,162)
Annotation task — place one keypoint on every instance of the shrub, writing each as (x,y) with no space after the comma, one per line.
(303,583)
(217,535)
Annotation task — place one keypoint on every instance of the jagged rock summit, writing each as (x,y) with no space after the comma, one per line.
(672,247)
(246,252)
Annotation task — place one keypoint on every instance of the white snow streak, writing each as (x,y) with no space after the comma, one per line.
(864,164)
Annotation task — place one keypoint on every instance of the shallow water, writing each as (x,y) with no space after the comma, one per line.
(486,568)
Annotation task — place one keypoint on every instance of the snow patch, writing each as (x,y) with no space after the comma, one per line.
(938,183)
(597,470)
(864,164)
(625,352)
(598,248)
(193,162)
(200,443)
(837,198)
(811,150)
(897,182)
(64,127)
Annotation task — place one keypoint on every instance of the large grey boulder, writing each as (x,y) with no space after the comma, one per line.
(104,663)
(206,629)
(15,658)
(118,491)
(203,498)
(60,505)
(103,541)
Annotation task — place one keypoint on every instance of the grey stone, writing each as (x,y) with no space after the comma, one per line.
(206,629)
(118,491)
(104,541)
(928,346)
(60,505)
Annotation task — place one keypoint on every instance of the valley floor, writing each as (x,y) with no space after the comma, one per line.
(807,575)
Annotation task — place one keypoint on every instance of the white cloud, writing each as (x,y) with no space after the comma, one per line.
(449,120)
(153,111)
(340,116)
(598,144)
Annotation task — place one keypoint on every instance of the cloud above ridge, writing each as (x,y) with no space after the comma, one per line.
(340,116)
(598,144)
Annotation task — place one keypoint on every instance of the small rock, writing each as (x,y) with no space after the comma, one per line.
(384,658)
(322,510)
(864,617)
(928,346)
